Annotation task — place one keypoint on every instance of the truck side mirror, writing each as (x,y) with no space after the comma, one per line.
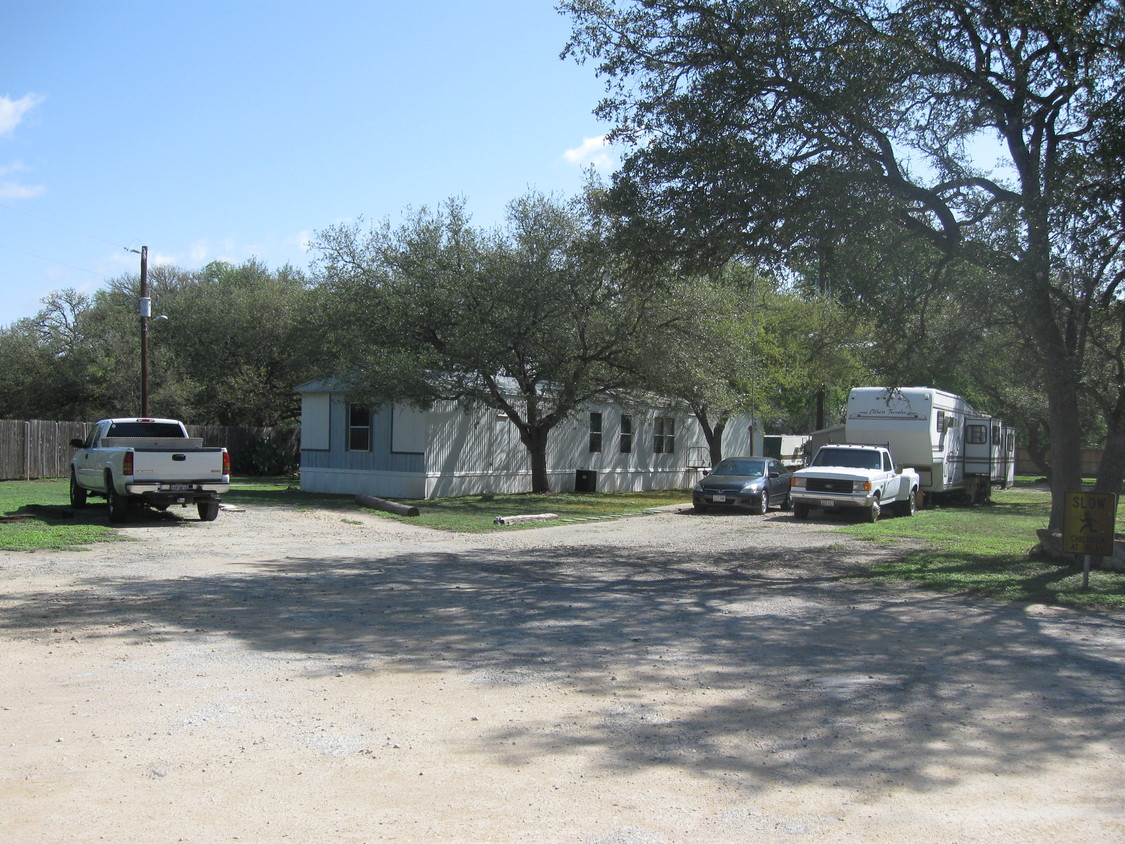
(77,443)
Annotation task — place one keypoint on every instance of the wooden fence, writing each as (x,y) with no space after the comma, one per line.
(1090,457)
(41,449)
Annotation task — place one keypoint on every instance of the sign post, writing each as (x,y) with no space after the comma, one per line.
(1088,522)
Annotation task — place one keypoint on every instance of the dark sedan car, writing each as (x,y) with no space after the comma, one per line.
(753,482)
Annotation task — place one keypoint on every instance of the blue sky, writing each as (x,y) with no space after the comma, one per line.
(236,129)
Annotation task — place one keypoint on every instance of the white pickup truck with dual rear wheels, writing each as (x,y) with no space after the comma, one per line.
(136,462)
(854,477)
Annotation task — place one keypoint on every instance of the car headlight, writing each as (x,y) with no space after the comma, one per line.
(697,488)
(750,489)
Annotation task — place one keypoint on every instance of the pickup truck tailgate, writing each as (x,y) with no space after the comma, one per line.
(170,464)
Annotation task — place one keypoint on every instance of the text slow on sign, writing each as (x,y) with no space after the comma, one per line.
(1088,523)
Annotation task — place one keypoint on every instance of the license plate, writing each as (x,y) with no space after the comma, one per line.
(827,502)
(719,499)
(179,487)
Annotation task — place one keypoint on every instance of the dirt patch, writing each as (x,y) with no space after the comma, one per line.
(278,675)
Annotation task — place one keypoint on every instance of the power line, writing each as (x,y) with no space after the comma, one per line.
(54,261)
(61,226)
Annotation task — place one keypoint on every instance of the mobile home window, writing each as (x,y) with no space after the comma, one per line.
(595,432)
(664,435)
(976,434)
(626,434)
(359,427)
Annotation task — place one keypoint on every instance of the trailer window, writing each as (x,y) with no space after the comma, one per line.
(976,434)
(664,435)
(595,432)
(626,446)
(941,421)
(359,428)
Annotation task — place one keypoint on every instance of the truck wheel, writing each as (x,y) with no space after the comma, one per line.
(787,504)
(910,506)
(800,511)
(77,493)
(873,511)
(208,510)
(117,504)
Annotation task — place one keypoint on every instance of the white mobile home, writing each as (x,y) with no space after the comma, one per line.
(938,434)
(398,451)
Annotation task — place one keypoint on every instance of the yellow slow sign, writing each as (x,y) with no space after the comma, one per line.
(1088,523)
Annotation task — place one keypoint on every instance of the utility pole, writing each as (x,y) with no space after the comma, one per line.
(145,310)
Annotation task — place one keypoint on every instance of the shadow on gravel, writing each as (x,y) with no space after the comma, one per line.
(741,669)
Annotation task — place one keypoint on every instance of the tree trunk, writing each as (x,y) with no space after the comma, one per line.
(1111,469)
(1062,393)
(715,442)
(535,439)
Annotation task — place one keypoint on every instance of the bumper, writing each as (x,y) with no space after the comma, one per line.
(726,499)
(167,494)
(831,501)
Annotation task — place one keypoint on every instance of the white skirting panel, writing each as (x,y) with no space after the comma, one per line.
(358,482)
(417,486)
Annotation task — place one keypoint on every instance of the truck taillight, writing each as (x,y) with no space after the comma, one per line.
(226,463)
(127,464)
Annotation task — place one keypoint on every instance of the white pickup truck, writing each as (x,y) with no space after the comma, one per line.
(151,462)
(857,477)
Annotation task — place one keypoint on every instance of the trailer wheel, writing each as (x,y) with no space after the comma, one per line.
(77,493)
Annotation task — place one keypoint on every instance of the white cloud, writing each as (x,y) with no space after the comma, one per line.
(12,189)
(12,111)
(592,151)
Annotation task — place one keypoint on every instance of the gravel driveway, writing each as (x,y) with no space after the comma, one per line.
(298,676)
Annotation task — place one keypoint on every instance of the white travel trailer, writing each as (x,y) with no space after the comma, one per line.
(953,447)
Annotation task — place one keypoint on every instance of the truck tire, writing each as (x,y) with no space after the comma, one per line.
(910,506)
(117,505)
(208,510)
(77,493)
(873,510)
(800,510)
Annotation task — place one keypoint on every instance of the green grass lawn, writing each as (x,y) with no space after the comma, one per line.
(979,550)
(984,550)
(48,528)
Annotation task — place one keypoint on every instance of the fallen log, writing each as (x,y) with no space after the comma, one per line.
(389,506)
(519,520)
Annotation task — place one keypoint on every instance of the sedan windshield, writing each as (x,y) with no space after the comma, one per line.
(742,468)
